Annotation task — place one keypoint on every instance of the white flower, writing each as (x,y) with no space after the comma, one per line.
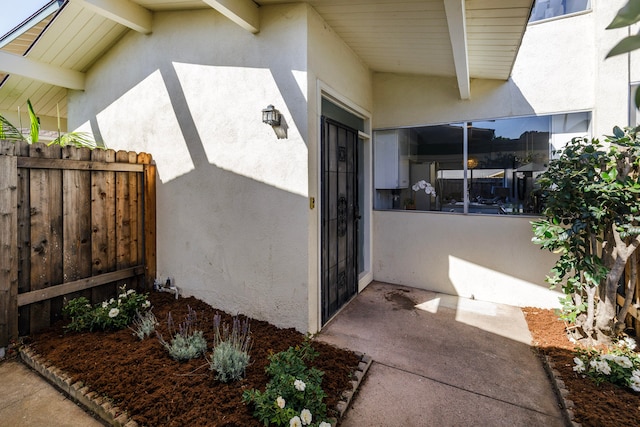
(600,366)
(121,296)
(104,304)
(627,342)
(280,402)
(579,365)
(295,422)
(299,385)
(146,304)
(111,301)
(306,417)
(424,185)
(113,312)
(623,361)
(324,424)
(130,291)
(634,381)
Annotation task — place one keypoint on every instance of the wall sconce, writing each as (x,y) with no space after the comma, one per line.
(273,118)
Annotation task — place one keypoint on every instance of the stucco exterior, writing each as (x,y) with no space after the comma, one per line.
(236,226)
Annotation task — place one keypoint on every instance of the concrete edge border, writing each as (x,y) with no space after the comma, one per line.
(116,417)
(559,388)
(77,391)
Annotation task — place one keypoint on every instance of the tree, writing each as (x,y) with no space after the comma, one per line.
(9,132)
(591,195)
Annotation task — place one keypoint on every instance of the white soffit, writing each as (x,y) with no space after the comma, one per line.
(397,36)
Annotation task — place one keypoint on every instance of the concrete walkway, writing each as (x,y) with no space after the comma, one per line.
(27,400)
(440,360)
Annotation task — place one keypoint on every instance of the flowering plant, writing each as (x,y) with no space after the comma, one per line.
(116,313)
(620,366)
(424,185)
(293,397)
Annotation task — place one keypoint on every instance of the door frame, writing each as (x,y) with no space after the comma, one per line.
(365,277)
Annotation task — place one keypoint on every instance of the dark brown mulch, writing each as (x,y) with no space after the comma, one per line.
(604,405)
(141,378)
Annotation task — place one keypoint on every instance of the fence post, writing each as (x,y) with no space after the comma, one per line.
(149,223)
(8,249)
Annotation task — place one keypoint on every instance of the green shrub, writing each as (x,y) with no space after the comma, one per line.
(187,342)
(293,395)
(231,349)
(144,325)
(113,314)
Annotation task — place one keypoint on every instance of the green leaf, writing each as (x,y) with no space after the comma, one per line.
(627,15)
(625,45)
(35,123)
(9,131)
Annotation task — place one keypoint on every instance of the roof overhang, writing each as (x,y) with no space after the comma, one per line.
(463,39)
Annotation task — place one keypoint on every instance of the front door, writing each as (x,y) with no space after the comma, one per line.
(339,201)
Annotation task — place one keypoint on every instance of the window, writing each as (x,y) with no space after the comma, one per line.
(634,113)
(486,167)
(547,9)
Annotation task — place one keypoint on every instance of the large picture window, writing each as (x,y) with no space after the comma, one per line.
(486,167)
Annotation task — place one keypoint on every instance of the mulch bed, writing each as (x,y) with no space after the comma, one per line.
(140,377)
(606,405)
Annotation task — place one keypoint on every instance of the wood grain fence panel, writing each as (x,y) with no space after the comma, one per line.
(24,238)
(8,248)
(123,217)
(77,220)
(46,233)
(149,245)
(103,223)
(134,257)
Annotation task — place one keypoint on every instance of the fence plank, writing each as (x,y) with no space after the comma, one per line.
(133,218)
(24,239)
(46,233)
(103,244)
(77,220)
(150,223)
(8,250)
(123,217)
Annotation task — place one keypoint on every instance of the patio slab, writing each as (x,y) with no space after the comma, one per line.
(442,360)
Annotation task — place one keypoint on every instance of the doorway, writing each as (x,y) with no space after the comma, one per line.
(339,217)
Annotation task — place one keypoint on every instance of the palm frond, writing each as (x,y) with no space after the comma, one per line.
(9,131)
(35,123)
(76,139)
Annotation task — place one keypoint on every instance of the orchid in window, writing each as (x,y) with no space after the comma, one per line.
(424,185)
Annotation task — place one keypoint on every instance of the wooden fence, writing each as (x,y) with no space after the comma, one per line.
(633,316)
(73,222)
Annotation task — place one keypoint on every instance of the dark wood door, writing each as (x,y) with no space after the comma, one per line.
(339,216)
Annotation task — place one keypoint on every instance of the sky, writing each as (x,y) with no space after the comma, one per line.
(16,11)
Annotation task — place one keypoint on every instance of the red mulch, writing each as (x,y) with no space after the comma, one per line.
(140,377)
(605,405)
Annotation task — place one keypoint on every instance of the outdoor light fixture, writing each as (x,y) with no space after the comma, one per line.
(271,116)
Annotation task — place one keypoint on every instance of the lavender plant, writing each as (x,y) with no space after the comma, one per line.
(188,341)
(144,324)
(231,349)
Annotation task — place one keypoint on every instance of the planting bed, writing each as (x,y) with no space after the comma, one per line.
(605,405)
(140,378)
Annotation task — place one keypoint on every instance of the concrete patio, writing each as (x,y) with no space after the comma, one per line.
(440,360)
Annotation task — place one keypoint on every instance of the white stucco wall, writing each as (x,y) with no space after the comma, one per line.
(486,257)
(232,207)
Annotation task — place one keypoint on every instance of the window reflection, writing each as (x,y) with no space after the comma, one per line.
(498,175)
(547,9)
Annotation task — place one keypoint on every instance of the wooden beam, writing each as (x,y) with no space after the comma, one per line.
(47,73)
(242,12)
(123,12)
(36,163)
(456,20)
(78,285)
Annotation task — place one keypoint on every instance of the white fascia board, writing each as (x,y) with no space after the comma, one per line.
(456,20)
(242,12)
(27,25)
(46,73)
(123,12)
